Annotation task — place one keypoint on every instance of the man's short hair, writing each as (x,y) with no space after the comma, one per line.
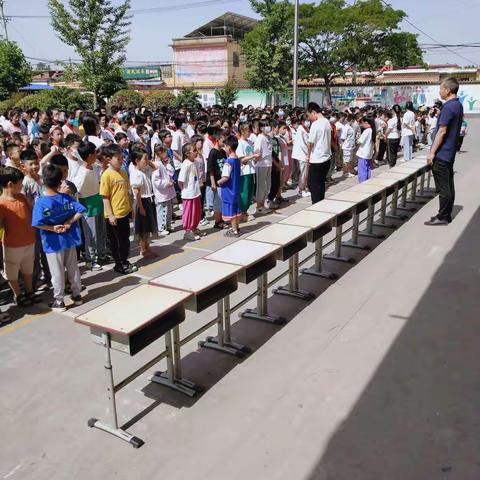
(313,107)
(452,84)
(52,176)
(28,155)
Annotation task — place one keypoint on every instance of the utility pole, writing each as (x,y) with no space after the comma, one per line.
(4,19)
(295,55)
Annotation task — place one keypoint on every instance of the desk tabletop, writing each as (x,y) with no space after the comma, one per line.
(386,182)
(349,196)
(279,234)
(395,175)
(198,276)
(367,188)
(133,310)
(244,253)
(309,218)
(406,169)
(331,206)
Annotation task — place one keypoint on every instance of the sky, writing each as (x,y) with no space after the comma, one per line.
(151,33)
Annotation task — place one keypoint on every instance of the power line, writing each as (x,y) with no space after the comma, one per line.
(432,38)
(185,6)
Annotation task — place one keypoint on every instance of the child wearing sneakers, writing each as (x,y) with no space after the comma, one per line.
(57,217)
(230,184)
(19,236)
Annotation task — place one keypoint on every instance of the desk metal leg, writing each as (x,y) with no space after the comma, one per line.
(422,191)
(413,193)
(223,341)
(370,216)
(383,214)
(112,427)
(394,208)
(261,312)
(403,205)
(337,255)
(317,270)
(292,289)
(353,243)
(172,378)
(429,181)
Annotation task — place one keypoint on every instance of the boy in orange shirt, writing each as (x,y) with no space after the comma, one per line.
(19,236)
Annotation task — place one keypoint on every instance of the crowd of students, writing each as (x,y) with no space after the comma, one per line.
(74,183)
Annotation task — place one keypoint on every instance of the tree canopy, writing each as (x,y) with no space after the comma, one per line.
(228,94)
(99,32)
(15,71)
(334,37)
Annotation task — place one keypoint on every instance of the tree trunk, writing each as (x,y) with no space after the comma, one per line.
(327,101)
(95,100)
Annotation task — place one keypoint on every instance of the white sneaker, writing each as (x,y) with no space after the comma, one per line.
(306,194)
(164,233)
(204,222)
(351,175)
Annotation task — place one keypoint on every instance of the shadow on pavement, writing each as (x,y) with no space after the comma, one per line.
(418,416)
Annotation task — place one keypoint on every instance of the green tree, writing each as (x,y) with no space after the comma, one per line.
(188,98)
(127,98)
(228,94)
(156,100)
(98,32)
(15,71)
(268,47)
(336,36)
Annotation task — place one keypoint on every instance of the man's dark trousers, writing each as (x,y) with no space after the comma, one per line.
(443,175)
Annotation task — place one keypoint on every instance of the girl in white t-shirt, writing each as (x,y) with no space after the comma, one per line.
(189,183)
(366,148)
(145,215)
(247,175)
(299,154)
(263,167)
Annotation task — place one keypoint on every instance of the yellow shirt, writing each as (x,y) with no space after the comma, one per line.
(116,187)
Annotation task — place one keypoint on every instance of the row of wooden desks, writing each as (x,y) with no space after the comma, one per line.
(134,320)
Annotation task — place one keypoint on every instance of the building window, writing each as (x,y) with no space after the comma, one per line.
(236,59)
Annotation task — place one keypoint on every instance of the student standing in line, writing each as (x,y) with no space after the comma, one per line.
(408,131)
(263,166)
(215,161)
(394,127)
(319,152)
(115,190)
(57,216)
(230,183)
(444,149)
(348,145)
(189,183)
(300,152)
(247,176)
(366,148)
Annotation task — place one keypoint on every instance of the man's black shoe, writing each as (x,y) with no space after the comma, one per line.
(434,221)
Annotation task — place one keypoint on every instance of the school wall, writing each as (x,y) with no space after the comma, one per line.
(360,96)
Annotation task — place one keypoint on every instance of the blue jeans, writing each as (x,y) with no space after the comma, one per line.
(408,147)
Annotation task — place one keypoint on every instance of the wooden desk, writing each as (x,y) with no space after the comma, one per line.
(128,324)
(360,199)
(291,239)
(207,281)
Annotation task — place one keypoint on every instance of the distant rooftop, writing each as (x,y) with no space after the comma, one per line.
(229,23)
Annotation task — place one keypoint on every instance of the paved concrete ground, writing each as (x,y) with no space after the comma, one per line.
(378,378)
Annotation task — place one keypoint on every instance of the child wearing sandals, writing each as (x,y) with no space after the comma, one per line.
(230,183)
(145,214)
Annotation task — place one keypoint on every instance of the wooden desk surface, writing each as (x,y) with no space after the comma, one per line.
(396,175)
(331,206)
(406,169)
(198,276)
(386,182)
(244,253)
(279,234)
(308,218)
(133,310)
(349,196)
(367,188)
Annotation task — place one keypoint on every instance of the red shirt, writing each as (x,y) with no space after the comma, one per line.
(16,216)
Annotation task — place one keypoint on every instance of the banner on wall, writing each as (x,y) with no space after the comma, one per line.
(201,65)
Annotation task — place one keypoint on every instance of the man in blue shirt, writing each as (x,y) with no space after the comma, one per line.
(444,149)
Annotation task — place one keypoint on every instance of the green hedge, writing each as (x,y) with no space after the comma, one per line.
(61,98)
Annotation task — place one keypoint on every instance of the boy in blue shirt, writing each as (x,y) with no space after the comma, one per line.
(56,215)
